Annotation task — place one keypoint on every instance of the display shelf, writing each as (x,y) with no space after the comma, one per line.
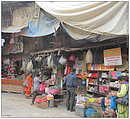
(105,78)
(96,93)
(92,84)
(114,88)
(112,80)
(93,77)
(98,71)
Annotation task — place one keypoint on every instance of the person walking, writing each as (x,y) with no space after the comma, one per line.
(70,81)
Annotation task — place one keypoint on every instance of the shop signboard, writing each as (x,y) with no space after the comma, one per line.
(112,57)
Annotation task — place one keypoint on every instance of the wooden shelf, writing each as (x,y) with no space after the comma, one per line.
(104,78)
(114,88)
(96,93)
(92,84)
(114,80)
(93,77)
(97,71)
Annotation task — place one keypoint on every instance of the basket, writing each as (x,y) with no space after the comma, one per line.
(42,105)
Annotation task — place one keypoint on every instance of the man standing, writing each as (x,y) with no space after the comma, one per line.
(71,84)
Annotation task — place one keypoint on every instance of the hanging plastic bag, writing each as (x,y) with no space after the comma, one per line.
(38,59)
(23,68)
(29,66)
(72,58)
(62,60)
(89,57)
(49,61)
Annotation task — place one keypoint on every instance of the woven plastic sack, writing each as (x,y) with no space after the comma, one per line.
(89,57)
(29,66)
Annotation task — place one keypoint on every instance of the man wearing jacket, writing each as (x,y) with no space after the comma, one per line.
(70,81)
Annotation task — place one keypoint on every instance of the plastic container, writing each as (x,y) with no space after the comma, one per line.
(79,111)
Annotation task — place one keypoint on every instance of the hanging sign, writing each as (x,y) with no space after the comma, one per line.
(112,57)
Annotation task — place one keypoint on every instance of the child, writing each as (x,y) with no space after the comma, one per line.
(109,104)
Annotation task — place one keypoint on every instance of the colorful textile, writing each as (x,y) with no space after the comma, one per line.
(122,111)
(113,102)
(53,91)
(67,69)
(123,90)
(103,89)
(39,100)
(42,87)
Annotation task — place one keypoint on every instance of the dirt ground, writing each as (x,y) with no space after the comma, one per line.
(16,105)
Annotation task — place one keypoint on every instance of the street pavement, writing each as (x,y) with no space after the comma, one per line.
(16,105)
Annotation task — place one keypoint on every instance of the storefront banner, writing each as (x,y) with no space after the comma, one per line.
(112,57)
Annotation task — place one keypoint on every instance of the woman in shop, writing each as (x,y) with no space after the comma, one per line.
(28,83)
(122,109)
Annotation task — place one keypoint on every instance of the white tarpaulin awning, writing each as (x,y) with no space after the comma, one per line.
(31,22)
(84,18)
(20,18)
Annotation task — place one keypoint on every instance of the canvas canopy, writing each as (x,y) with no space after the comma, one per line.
(87,19)
(29,20)
(42,26)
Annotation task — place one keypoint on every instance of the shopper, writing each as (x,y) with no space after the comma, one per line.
(70,81)
(28,85)
(38,87)
(122,101)
(108,104)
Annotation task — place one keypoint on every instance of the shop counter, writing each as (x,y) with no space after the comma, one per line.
(12,85)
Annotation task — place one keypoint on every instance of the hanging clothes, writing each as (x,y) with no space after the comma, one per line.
(84,63)
(89,57)
(67,69)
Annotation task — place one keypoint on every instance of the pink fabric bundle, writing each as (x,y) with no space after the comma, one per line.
(42,87)
(94,75)
(72,58)
(113,74)
(39,100)
(54,92)
(103,89)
